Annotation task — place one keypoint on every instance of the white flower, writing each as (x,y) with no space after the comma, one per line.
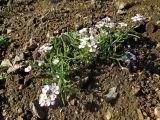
(57,76)
(93,31)
(138,17)
(82,31)
(45,89)
(100,24)
(84,39)
(106,19)
(55,61)
(28,69)
(42,99)
(83,42)
(45,48)
(104,33)
(122,24)
(110,25)
(92,49)
(48,95)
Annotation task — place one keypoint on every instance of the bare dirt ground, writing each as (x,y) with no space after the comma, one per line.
(138,90)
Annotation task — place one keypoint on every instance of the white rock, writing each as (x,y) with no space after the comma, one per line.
(112,95)
(14,68)
(120,5)
(6,63)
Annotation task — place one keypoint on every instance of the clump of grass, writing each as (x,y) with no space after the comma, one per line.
(68,51)
(2,77)
(3,41)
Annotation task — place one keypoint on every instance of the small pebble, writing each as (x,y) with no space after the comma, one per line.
(157,112)
(107,115)
(112,95)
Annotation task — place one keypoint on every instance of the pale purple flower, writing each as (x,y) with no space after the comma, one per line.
(48,95)
(54,88)
(45,48)
(93,31)
(138,17)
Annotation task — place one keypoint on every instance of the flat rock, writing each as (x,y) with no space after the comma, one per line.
(121,12)
(112,95)
(14,68)
(120,5)
(135,90)
(107,115)
(140,115)
(151,27)
(6,63)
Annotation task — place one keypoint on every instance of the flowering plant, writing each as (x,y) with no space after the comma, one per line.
(68,50)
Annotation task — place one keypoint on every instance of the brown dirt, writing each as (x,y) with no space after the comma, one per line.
(138,90)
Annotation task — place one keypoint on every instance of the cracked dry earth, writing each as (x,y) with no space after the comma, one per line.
(138,90)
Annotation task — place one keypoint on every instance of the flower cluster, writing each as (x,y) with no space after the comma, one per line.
(45,48)
(128,57)
(48,95)
(138,18)
(105,22)
(88,38)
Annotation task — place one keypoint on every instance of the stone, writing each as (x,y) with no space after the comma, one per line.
(14,68)
(121,12)
(31,45)
(93,2)
(157,112)
(112,95)
(120,5)
(78,26)
(151,27)
(19,110)
(140,115)
(6,63)
(158,45)
(37,110)
(72,102)
(135,90)
(20,118)
(155,17)
(108,115)
(2,91)
(16,59)
(9,31)
(22,56)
